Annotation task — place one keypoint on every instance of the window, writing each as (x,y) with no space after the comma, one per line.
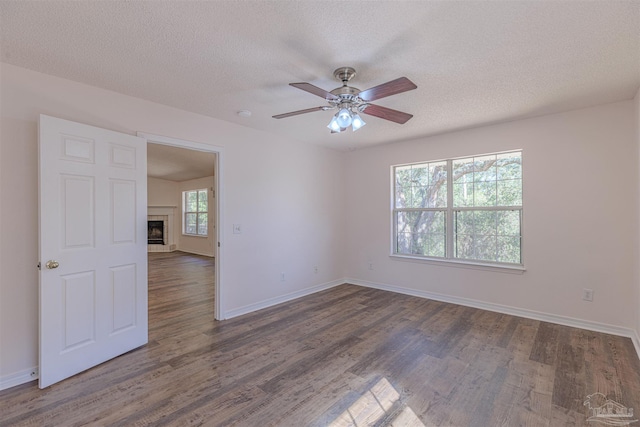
(195,210)
(467,209)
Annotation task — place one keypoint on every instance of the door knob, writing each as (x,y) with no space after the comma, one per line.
(51,264)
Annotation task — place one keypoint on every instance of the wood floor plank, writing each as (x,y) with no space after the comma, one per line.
(344,356)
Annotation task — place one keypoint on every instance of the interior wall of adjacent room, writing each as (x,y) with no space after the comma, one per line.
(163,192)
(192,244)
(266,183)
(580,215)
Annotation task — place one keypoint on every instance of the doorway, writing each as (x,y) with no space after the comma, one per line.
(206,178)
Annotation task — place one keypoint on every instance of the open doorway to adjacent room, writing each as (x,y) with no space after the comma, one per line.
(183,180)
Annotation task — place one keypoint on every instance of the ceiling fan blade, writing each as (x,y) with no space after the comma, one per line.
(308,87)
(393,87)
(387,113)
(295,113)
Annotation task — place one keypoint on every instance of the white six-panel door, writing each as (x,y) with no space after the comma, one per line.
(93,246)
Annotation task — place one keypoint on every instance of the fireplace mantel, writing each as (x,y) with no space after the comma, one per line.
(160,210)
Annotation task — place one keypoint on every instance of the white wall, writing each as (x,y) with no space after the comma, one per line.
(162,192)
(580,215)
(637,299)
(198,245)
(267,181)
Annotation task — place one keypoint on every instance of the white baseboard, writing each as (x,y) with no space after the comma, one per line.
(283,298)
(514,311)
(18,378)
(636,341)
(194,252)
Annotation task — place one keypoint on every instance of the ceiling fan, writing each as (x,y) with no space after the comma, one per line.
(350,102)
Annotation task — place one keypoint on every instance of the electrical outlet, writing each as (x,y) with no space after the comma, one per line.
(282,277)
(587,295)
(237,229)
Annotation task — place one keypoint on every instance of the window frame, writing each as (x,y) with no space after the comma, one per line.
(198,212)
(450,212)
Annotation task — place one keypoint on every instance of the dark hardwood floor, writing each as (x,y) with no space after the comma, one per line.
(346,356)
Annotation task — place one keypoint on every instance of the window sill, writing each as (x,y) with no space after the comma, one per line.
(195,235)
(512,269)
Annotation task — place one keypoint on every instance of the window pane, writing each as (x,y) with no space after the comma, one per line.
(509,249)
(484,193)
(464,246)
(436,222)
(202,224)
(414,222)
(190,223)
(484,168)
(463,170)
(403,176)
(509,166)
(202,201)
(485,248)
(436,245)
(463,194)
(420,198)
(418,231)
(484,222)
(403,196)
(492,236)
(420,175)
(418,244)
(437,172)
(438,195)
(403,244)
(509,192)
(191,201)
(463,222)
(508,223)
(404,221)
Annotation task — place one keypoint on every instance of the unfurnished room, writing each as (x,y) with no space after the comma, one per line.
(319,213)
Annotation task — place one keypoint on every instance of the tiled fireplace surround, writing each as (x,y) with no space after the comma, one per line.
(166,215)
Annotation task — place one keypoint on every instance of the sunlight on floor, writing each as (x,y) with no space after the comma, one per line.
(380,402)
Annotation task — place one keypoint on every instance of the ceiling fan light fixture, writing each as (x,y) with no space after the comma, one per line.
(357,122)
(333,124)
(344,118)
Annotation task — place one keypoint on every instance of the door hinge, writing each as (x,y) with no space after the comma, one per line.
(39,267)
(218,246)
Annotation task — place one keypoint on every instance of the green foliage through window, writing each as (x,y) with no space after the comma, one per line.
(466,209)
(195,207)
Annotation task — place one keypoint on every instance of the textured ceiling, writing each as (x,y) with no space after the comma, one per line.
(474,62)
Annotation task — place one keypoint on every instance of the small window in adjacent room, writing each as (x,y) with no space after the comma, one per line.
(195,209)
(464,210)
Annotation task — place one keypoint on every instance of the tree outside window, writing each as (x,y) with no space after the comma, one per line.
(195,207)
(461,209)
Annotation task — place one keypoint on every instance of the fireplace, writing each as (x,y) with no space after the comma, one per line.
(160,229)
(155,233)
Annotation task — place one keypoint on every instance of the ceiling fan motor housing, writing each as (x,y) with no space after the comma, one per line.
(344,74)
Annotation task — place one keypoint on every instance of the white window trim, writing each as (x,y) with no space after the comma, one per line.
(475,265)
(449,260)
(184,214)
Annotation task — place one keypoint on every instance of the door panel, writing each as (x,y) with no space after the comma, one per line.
(93,214)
